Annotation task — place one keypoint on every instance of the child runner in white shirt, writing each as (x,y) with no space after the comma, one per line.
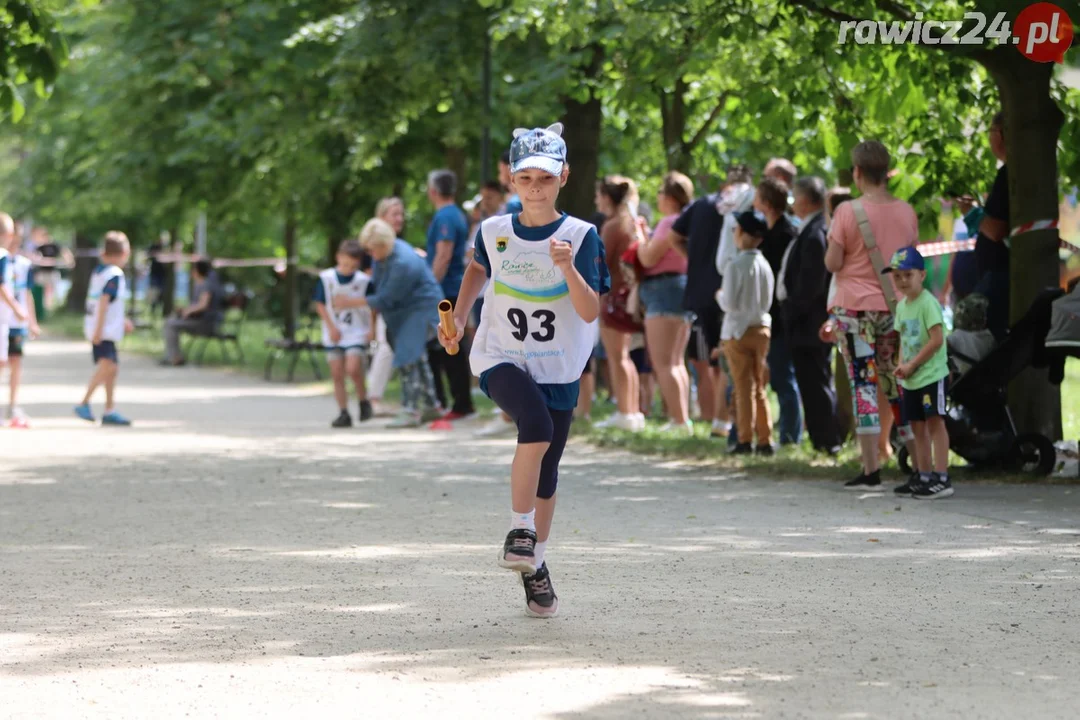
(20,330)
(535,336)
(11,311)
(346,331)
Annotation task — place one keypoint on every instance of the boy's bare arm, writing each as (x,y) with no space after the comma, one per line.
(99,320)
(475,277)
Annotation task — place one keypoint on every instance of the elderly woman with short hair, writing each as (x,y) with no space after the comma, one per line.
(407,296)
(392,210)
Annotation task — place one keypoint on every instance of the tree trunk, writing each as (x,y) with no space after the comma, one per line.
(1033,122)
(673,121)
(582,121)
(290,305)
(168,290)
(456,161)
(341,202)
(80,276)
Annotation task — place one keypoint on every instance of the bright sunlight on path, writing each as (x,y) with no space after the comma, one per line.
(230,556)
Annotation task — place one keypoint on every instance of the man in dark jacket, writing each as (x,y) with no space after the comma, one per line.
(802,289)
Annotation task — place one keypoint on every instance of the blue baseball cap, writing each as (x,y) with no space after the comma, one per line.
(539,149)
(906,259)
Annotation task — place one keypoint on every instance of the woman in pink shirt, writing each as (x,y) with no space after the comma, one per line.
(667,324)
(863,323)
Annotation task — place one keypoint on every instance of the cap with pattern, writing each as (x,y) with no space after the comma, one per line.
(539,149)
(906,259)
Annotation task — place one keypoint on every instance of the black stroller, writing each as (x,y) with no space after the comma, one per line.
(981,428)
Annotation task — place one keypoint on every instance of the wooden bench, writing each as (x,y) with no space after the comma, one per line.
(227,333)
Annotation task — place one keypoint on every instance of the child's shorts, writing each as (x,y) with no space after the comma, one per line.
(106,350)
(4,339)
(340,353)
(926,402)
(15,343)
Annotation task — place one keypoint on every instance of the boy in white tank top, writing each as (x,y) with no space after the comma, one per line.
(346,329)
(104,325)
(19,330)
(11,312)
(536,333)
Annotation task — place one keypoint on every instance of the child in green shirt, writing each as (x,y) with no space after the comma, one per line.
(923,373)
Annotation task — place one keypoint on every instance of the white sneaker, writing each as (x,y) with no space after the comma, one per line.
(685,429)
(496,427)
(631,423)
(639,421)
(611,420)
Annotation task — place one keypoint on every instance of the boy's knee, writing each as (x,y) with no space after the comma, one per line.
(549,482)
(535,427)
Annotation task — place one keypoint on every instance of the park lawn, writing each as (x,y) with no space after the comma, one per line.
(150,342)
(799,461)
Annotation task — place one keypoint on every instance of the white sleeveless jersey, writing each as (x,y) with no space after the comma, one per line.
(354,323)
(113,328)
(7,318)
(21,271)
(528,318)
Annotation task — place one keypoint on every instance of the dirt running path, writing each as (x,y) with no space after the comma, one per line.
(232,557)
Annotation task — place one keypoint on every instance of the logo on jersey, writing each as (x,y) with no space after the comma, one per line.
(531,277)
(501,243)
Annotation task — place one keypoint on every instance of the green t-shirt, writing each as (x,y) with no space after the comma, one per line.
(913,321)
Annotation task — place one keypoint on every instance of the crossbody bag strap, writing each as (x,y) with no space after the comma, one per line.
(884,280)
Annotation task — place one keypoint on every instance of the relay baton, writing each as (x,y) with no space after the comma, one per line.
(446,321)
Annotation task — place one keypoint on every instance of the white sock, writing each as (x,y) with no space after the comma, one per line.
(526,521)
(539,553)
(924,477)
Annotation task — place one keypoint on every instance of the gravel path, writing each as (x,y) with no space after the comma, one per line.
(231,557)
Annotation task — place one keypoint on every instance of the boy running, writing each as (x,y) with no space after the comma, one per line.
(20,330)
(104,325)
(923,373)
(547,273)
(11,312)
(346,331)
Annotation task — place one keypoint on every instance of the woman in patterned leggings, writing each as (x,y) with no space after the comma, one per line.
(861,322)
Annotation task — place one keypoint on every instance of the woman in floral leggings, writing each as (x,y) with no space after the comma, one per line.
(861,322)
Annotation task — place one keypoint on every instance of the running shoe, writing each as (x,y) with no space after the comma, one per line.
(344,420)
(84,412)
(519,551)
(540,598)
(366,411)
(938,487)
(114,418)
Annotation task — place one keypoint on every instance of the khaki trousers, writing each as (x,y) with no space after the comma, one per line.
(746,358)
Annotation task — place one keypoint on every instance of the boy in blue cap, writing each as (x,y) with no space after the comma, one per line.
(534,339)
(923,374)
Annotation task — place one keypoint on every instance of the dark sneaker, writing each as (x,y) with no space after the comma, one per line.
(519,551)
(540,598)
(765,450)
(742,449)
(864,482)
(344,420)
(908,487)
(938,487)
(366,411)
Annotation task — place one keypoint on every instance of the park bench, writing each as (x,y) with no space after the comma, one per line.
(306,342)
(227,333)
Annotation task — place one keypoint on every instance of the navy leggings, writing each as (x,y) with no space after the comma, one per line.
(518,396)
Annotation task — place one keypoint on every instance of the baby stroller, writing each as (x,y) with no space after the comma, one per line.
(981,428)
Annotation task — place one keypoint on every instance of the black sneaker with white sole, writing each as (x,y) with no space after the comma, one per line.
(344,420)
(519,551)
(865,482)
(938,487)
(909,486)
(540,598)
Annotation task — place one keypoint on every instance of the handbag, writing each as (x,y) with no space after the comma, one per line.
(870,243)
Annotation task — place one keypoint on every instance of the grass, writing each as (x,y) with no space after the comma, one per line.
(800,461)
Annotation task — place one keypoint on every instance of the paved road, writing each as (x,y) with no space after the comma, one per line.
(230,557)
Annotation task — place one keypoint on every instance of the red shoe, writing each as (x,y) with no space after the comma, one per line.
(19,423)
(453,415)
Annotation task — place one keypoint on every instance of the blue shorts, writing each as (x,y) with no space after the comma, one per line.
(923,403)
(662,295)
(105,350)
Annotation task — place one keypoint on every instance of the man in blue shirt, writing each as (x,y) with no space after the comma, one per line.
(447,240)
